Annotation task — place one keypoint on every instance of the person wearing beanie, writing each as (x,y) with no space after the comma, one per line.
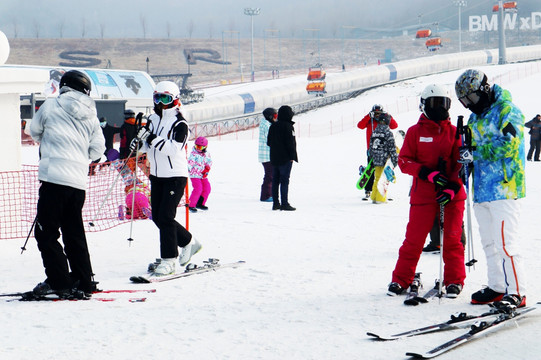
(283,151)
(535,138)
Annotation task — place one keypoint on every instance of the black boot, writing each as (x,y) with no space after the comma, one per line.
(287,207)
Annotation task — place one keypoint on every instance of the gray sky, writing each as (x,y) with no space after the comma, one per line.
(208,18)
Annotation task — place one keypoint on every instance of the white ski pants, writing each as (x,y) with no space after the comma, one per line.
(500,238)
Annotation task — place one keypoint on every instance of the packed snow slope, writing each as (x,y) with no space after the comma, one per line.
(314,281)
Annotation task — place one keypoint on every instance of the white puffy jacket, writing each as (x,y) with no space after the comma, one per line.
(70,135)
(167,151)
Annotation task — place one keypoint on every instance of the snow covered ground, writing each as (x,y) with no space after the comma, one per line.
(314,281)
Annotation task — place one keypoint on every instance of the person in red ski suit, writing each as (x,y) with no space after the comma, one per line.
(370,122)
(430,154)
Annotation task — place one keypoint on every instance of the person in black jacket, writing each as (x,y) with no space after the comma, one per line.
(535,137)
(283,151)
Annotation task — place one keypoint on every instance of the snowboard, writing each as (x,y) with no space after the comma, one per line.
(366,172)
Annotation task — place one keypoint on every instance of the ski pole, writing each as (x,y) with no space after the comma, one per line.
(138,122)
(465,137)
(441,168)
(440,284)
(29,233)
(471,255)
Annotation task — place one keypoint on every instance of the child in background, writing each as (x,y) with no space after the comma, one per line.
(199,163)
(382,147)
(142,192)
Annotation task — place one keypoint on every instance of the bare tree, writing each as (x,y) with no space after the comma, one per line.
(211,29)
(61,26)
(143,22)
(83,28)
(15,29)
(190,28)
(37,28)
(102,30)
(334,29)
(168,29)
(292,30)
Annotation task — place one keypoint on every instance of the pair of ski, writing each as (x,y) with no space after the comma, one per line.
(211,264)
(29,296)
(412,296)
(479,325)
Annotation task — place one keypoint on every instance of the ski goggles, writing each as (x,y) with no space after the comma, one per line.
(163,98)
(200,147)
(470,99)
(437,102)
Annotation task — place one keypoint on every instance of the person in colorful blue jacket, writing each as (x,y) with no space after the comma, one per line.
(497,127)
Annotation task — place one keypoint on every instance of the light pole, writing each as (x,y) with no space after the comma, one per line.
(224,45)
(501,31)
(274,34)
(251,12)
(460,4)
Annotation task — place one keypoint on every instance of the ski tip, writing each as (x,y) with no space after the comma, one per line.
(134,300)
(139,280)
(411,302)
(373,336)
(415,355)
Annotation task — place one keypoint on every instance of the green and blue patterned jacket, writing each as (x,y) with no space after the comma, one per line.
(499,157)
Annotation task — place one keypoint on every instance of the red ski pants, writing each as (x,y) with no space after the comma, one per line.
(421,219)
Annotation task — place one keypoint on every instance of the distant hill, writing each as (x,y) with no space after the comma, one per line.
(207,56)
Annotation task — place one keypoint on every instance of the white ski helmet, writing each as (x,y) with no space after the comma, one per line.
(167,93)
(435,102)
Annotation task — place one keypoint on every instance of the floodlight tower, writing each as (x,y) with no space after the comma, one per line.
(251,12)
(460,4)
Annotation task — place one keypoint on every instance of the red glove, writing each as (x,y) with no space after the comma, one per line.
(206,171)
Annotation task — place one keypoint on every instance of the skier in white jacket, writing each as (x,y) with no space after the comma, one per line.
(70,135)
(164,140)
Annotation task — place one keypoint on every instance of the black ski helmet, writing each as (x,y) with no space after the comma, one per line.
(129,113)
(377,108)
(77,81)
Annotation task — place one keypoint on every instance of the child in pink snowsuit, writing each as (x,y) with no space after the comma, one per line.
(199,163)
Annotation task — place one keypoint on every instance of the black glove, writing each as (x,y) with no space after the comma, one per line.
(433,176)
(134,144)
(445,195)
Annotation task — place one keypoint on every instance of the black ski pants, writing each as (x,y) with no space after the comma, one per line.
(60,208)
(535,147)
(280,183)
(165,195)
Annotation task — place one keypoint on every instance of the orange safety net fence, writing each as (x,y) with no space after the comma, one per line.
(109,197)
